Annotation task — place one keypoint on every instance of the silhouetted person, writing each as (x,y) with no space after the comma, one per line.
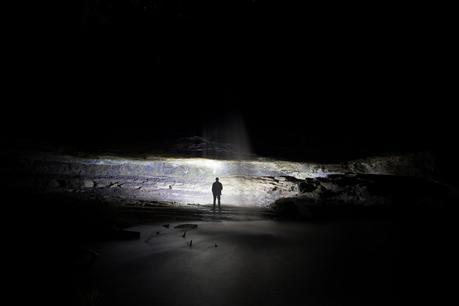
(217,188)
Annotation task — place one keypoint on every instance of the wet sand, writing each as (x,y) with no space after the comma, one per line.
(263,262)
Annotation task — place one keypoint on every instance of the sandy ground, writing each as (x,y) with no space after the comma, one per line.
(263,262)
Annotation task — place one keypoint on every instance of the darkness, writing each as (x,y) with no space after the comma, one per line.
(328,78)
(339,80)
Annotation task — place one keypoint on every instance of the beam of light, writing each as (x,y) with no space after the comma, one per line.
(229,129)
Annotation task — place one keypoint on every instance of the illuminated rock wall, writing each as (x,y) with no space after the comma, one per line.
(258,182)
(173,180)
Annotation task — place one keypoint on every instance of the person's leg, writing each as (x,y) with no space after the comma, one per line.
(214,200)
(219,201)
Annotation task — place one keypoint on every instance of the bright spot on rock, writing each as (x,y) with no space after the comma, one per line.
(213,165)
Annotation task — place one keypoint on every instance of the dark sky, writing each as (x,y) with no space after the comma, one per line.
(306,77)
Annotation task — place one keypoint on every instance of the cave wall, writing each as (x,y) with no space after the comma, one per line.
(421,164)
(171,180)
(258,182)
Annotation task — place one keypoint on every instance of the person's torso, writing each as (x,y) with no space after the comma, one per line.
(217,186)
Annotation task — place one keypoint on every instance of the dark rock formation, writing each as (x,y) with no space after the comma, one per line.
(309,185)
(344,193)
(421,164)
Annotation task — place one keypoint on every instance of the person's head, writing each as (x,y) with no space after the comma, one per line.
(216,179)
